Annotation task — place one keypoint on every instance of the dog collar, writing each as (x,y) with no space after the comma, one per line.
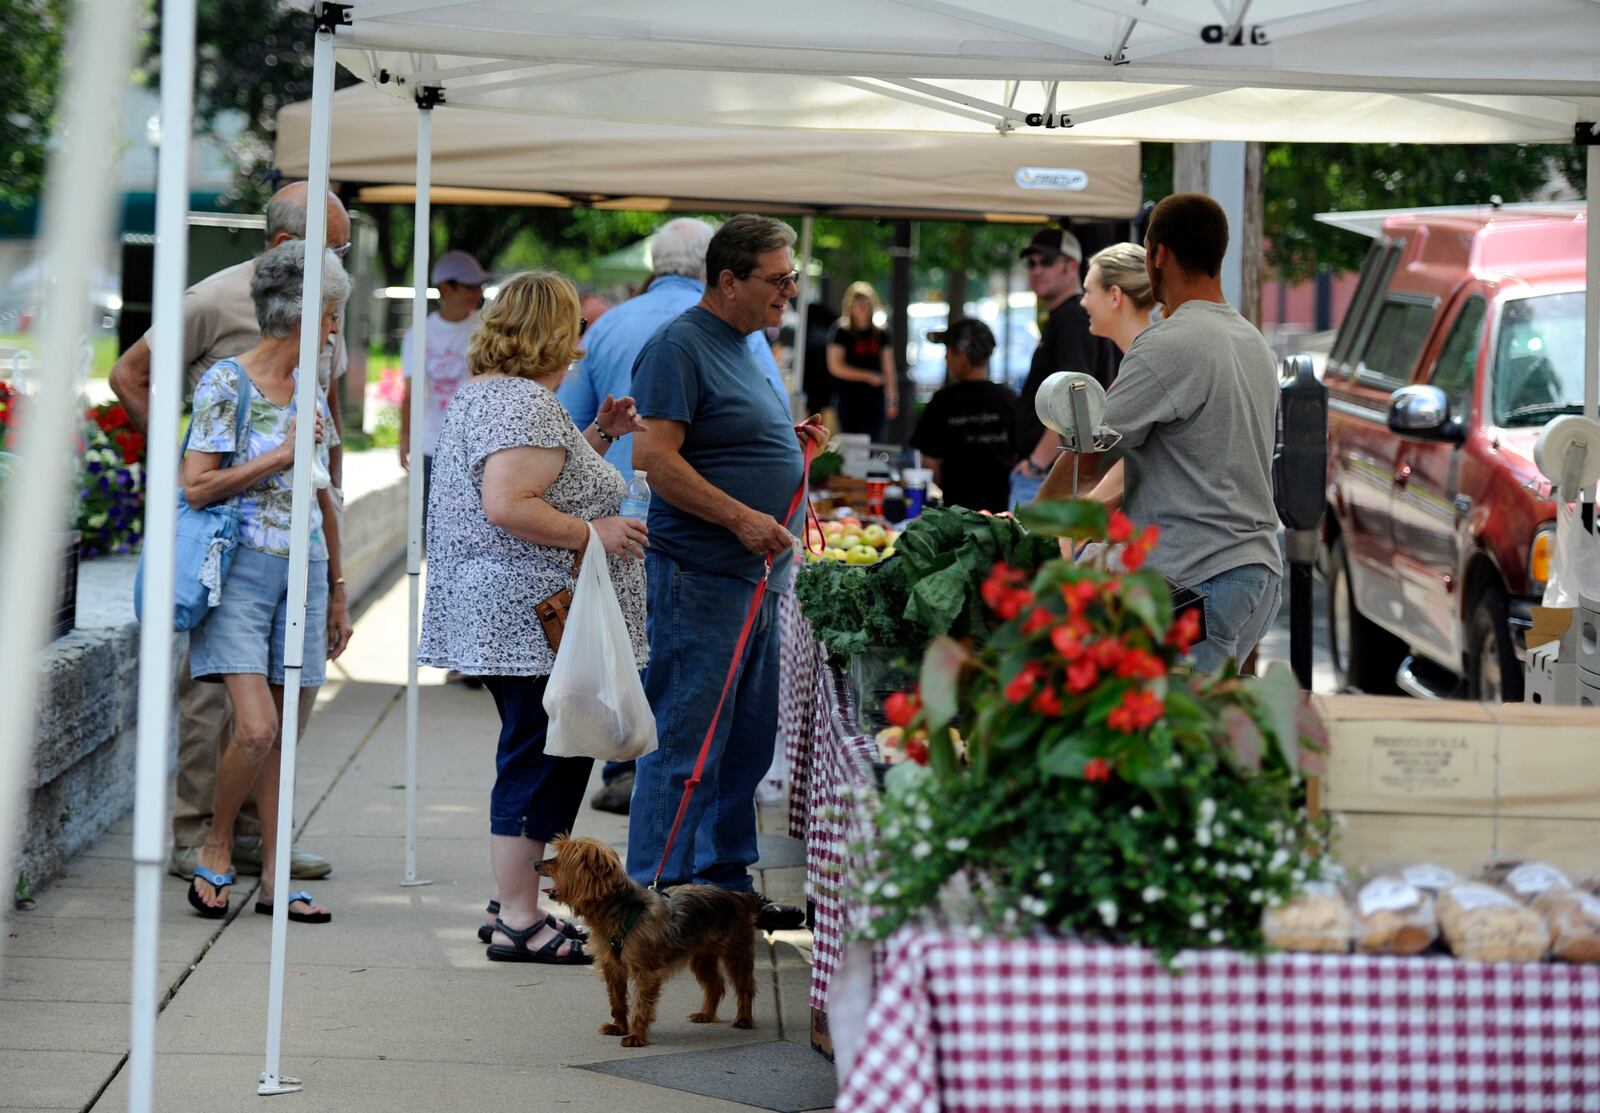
(617,937)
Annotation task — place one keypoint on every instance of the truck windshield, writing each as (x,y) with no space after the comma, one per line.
(1538,367)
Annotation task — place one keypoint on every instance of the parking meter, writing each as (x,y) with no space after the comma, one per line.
(1299,480)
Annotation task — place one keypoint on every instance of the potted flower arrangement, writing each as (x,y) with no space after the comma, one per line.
(1103,789)
(110,505)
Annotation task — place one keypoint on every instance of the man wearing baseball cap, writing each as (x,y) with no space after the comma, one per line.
(1054,259)
(460,280)
(965,433)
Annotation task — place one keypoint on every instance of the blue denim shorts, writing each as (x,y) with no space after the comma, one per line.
(245,632)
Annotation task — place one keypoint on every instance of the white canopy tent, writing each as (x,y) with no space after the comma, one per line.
(1305,70)
(622,164)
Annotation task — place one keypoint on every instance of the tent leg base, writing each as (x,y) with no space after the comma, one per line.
(283,1084)
(410,883)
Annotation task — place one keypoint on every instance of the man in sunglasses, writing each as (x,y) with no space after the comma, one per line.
(725,459)
(1054,260)
(219,322)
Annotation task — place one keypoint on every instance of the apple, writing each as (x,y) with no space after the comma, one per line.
(861,554)
(876,536)
(851,523)
(849,540)
(833,554)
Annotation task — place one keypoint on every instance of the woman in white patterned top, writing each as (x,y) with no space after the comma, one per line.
(516,488)
(240,642)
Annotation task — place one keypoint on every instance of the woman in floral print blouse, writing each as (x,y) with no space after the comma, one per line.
(240,643)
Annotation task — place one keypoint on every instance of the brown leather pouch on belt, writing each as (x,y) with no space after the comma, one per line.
(552,611)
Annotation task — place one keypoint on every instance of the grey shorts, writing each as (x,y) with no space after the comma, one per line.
(245,632)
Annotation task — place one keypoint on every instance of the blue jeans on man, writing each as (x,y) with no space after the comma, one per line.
(694,619)
(1240,604)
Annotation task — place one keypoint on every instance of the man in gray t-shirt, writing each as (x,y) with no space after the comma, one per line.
(1195,402)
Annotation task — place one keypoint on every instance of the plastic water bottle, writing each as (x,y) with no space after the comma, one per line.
(636,503)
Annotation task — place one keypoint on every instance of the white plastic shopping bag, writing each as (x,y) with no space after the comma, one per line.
(594,697)
(1575,563)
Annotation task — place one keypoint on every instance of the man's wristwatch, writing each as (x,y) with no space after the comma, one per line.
(1035,470)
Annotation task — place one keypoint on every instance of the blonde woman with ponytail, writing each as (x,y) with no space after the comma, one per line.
(1117,294)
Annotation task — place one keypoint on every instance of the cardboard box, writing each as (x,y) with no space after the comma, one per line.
(1460,783)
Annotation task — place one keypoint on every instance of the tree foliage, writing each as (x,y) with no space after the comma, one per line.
(1303,179)
(31,46)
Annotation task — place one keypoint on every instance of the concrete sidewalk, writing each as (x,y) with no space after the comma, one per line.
(392,1006)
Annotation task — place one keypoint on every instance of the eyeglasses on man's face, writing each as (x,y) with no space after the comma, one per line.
(341,251)
(781,282)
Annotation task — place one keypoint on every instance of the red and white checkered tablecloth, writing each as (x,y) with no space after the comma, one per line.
(842,798)
(1046,1024)
(802,658)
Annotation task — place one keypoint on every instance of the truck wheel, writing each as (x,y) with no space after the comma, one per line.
(1494,675)
(1365,656)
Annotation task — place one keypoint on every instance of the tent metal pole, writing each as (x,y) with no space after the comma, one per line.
(414,507)
(294,643)
(160,529)
(803,296)
(1591,297)
(77,223)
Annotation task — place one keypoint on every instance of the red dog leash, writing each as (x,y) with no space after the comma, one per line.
(801,495)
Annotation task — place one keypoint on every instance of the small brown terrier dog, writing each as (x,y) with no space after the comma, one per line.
(647,937)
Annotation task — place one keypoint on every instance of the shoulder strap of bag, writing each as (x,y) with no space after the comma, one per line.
(241,416)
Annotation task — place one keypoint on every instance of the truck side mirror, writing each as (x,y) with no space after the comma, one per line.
(1300,465)
(1423,411)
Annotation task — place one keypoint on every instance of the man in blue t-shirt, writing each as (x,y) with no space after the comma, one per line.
(724,463)
(611,346)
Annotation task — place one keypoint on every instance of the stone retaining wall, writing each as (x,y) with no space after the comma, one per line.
(82,776)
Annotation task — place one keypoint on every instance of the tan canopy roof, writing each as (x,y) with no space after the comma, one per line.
(556,160)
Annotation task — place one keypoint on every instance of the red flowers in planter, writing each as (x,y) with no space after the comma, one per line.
(1023,684)
(1005,591)
(1137,711)
(1185,630)
(1081,676)
(1068,641)
(1138,548)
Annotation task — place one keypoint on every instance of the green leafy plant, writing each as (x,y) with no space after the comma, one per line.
(928,587)
(1109,791)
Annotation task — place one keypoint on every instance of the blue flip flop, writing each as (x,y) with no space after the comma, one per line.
(265,909)
(218,881)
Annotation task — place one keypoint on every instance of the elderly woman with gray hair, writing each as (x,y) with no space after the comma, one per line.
(248,459)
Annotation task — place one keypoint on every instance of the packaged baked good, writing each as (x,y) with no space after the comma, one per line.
(1573,917)
(1431,879)
(1394,917)
(1530,879)
(1485,924)
(1315,919)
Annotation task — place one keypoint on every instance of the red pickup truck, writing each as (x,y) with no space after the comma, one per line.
(1465,336)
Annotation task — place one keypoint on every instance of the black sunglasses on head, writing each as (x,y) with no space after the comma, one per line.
(583,326)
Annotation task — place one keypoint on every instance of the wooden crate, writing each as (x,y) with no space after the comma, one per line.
(1461,783)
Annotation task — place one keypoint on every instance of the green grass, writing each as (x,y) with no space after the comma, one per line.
(105,350)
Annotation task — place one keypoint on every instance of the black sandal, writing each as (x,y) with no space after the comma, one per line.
(219,882)
(565,927)
(549,953)
(265,909)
